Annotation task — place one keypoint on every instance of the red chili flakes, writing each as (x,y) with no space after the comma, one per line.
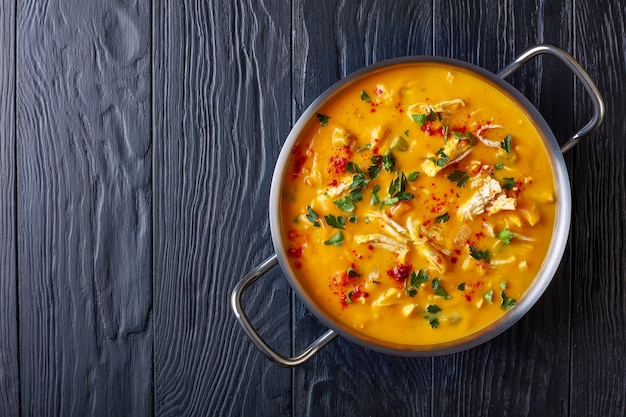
(332,183)
(338,164)
(295,252)
(428,128)
(454,259)
(298,265)
(299,161)
(400,272)
(292,234)
(457,251)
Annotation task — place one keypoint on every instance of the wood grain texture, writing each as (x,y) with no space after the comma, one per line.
(332,40)
(523,372)
(9,371)
(599,219)
(84,200)
(222,108)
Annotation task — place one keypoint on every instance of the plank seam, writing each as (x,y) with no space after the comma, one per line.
(152,173)
(15,214)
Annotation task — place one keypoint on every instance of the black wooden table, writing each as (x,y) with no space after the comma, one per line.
(137,144)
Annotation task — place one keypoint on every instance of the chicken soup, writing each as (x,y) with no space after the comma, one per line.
(418,205)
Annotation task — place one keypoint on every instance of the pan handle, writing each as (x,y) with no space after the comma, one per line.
(579,72)
(235,302)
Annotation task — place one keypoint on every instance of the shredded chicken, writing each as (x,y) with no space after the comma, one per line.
(435,259)
(454,149)
(485,141)
(382,241)
(489,197)
(446,106)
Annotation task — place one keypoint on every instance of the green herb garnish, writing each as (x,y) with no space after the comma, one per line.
(460,177)
(413,176)
(345,204)
(508,183)
(432,316)
(312,216)
(352,273)
(479,254)
(439,290)
(505,235)
(441,160)
(489,296)
(374,198)
(365,97)
(443,218)
(337,222)
(415,281)
(335,240)
(464,136)
(389,162)
(506,144)
(507,302)
(322,119)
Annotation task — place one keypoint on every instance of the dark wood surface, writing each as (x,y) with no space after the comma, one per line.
(137,144)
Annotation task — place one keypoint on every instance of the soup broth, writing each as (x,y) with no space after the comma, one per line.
(418,205)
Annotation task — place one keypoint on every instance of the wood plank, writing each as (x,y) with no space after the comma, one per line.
(9,366)
(84,204)
(222,109)
(332,40)
(523,371)
(598,326)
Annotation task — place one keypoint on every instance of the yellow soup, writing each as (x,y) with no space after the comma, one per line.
(418,206)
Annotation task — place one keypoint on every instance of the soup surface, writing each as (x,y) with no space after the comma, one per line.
(418,205)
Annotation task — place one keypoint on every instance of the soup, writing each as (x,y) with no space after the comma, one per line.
(418,205)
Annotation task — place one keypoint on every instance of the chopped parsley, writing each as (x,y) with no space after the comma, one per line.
(352,273)
(505,235)
(461,287)
(440,159)
(353,218)
(322,119)
(374,198)
(489,296)
(312,216)
(365,148)
(413,176)
(439,290)
(335,240)
(432,316)
(345,204)
(506,144)
(508,183)
(374,169)
(356,195)
(389,162)
(464,136)
(479,254)
(507,302)
(358,180)
(365,97)
(499,166)
(443,218)
(349,297)
(415,281)
(397,190)
(421,119)
(460,177)
(338,222)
